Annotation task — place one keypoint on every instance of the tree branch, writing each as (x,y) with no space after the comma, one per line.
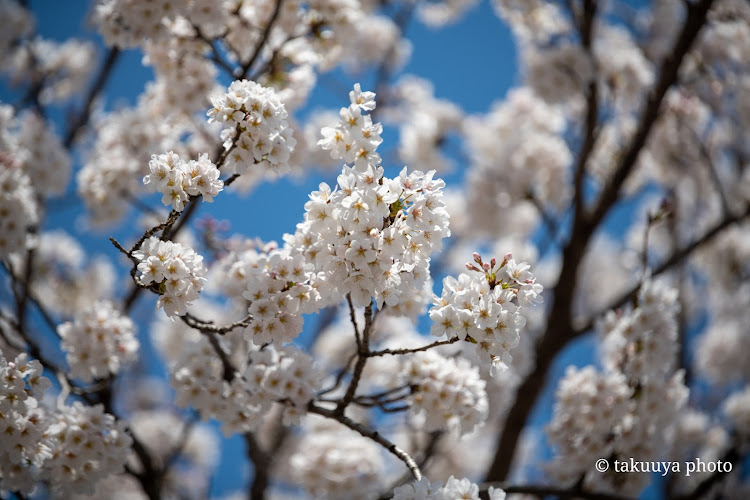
(370,434)
(559,329)
(101,80)
(696,18)
(396,352)
(362,355)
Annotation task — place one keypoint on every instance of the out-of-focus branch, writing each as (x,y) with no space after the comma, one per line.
(262,41)
(261,463)
(675,259)
(560,329)
(101,80)
(732,456)
(592,107)
(697,13)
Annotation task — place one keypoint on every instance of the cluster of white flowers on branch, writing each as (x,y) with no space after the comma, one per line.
(484,307)
(71,447)
(176,271)
(177,180)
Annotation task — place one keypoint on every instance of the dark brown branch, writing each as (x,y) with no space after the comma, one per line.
(261,463)
(25,283)
(592,108)
(228,371)
(353,317)
(208,327)
(339,376)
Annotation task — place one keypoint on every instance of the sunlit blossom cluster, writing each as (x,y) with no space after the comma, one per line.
(22,422)
(371,236)
(453,488)
(257,136)
(178,180)
(177,271)
(484,307)
(279,292)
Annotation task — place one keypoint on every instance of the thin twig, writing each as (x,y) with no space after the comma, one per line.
(208,327)
(396,352)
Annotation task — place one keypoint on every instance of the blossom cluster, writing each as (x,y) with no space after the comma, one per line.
(256,130)
(370,236)
(484,307)
(279,291)
(270,375)
(125,23)
(178,180)
(425,123)
(28,150)
(737,408)
(71,449)
(448,392)
(355,138)
(115,166)
(66,279)
(177,271)
(517,150)
(18,210)
(86,446)
(628,410)
(22,425)
(98,342)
